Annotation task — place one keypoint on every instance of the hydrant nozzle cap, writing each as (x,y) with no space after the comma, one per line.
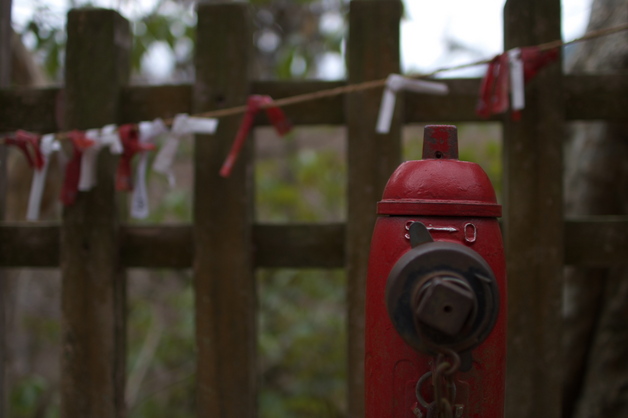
(440,142)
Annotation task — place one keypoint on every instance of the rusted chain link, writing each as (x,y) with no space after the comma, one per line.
(446,364)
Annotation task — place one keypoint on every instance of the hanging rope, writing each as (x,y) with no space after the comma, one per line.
(367,85)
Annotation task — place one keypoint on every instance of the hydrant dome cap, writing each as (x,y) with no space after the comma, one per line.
(440,187)
(440,180)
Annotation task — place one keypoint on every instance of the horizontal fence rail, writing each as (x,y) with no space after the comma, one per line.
(595,241)
(586,97)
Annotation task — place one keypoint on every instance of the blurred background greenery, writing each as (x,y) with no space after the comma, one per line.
(299,178)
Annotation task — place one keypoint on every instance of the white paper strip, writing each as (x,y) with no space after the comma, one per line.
(428,87)
(517,84)
(396,83)
(183,126)
(139,200)
(89,160)
(148,131)
(196,125)
(48,145)
(109,137)
(164,159)
(386,110)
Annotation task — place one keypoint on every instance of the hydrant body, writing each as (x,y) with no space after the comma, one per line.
(436,291)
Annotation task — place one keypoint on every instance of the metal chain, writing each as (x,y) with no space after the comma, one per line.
(446,364)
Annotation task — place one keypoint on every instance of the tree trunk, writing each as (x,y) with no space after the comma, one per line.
(596,183)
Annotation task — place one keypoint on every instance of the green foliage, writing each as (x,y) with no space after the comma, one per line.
(302,343)
(489,157)
(30,394)
(49,40)
(165,311)
(305,185)
(47,329)
(175,204)
(302,340)
(294,52)
(292,38)
(169,25)
(481,144)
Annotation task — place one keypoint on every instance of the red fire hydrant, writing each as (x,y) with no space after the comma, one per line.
(436,291)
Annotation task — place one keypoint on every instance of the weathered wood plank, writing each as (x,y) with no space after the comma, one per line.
(34,109)
(299,246)
(588,242)
(149,102)
(93,295)
(5,43)
(533,222)
(587,97)
(22,245)
(29,109)
(457,106)
(328,111)
(163,246)
(171,246)
(225,295)
(140,103)
(373,53)
(596,242)
(595,97)
(5,81)
(295,246)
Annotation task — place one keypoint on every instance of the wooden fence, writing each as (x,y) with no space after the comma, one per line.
(93,246)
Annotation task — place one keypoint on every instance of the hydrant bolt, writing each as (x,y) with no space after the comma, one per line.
(444,304)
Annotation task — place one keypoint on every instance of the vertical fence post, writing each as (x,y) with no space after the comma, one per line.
(533,222)
(373,53)
(5,43)
(5,81)
(93,295)
(225,294)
